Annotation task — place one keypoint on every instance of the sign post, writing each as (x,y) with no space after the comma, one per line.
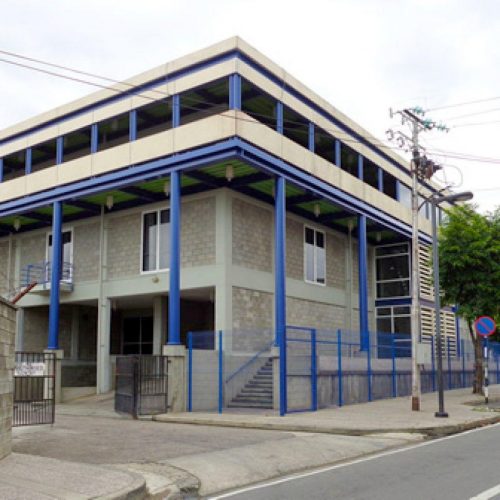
(485,326)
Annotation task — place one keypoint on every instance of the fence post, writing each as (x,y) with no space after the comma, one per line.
(314,373)
(339,365)
(433,366)
(449,361)
(394,387)
(369,367)
(462,353)
(221,373)
(190,371)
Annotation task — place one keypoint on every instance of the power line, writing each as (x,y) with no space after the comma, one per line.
(477,113)
(345,137)
(465,103)
(474,124)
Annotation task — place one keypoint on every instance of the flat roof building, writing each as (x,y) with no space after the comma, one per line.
(214,192)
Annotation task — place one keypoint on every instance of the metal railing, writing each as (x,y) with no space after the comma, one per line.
(41,273)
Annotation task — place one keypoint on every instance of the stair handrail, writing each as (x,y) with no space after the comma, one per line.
(249,362)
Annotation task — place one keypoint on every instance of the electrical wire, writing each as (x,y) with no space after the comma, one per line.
(464,103)
(130,90)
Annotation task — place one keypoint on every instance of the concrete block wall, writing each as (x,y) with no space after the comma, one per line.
(301,312)
(6,267)
(33,248)
(86,246)
(7,329)
(252,236)
(198,232)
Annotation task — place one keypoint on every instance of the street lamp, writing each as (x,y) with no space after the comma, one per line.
(435,201)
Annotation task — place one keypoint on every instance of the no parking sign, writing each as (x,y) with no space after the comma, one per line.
(485,326)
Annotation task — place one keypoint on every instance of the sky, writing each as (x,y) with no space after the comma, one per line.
(363,56)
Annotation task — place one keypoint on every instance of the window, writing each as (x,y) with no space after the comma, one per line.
(155,240)
(393,271)
(370,173)
(113,132)
(394,331)
(76,144)
(207,100)
(259,105)
(324,144)
(389,183)
(295,127)
(14,165)
(405,195)
(43,155)
(153,118)
(137,335)
(424,210)
(349,159)
(314,256)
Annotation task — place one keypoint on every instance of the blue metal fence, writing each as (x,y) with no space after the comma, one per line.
(323,368)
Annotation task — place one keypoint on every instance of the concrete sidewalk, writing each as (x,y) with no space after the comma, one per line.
(465,410)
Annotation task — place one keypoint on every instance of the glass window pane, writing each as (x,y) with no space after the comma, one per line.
(392,249)
(384,325)
(370,173)
(393,289)
(405,195)
(402,325)
(309,236)
(164,239)
(383,311)
(402,310)
(320,265)
(149,242)
(320,239)
(309,249)
(393,268)
(349,159)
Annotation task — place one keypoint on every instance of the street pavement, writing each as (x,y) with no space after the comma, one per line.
(458,467)
(177,460)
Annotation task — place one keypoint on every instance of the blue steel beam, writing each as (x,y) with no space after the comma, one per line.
(174,300)
(55,276)
(280,285)
(363,283)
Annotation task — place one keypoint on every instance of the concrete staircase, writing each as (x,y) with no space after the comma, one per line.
(258,392)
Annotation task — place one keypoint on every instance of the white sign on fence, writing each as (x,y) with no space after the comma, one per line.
(29,369)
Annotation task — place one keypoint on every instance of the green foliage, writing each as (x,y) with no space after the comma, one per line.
(469,261)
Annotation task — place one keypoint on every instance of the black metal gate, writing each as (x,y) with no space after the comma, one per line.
(34,388)
(141,385)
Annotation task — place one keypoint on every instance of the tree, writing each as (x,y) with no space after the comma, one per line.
(469,267)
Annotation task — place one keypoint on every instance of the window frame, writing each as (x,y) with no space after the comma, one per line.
(157,268)
(393,280)
(48,253)
(304,243)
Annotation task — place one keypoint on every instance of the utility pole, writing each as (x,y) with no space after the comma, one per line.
(420,168)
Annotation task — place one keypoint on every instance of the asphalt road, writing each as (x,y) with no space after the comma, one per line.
(459,467)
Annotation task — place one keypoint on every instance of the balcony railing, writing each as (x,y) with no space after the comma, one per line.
(41,272)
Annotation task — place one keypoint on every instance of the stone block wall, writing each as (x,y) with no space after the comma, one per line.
(252,236)
(7,329)
(124,245)
(198,232)
(33,249)
(86,252)
(6,267)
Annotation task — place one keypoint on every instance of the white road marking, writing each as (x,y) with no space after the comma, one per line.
(352,462)
(486,495)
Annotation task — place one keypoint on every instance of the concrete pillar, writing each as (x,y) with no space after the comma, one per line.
(104,380)
(57,385)
(176,377)
(19,344)
(75,332)
(160,305)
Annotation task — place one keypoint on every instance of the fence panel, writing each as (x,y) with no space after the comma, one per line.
(34,388)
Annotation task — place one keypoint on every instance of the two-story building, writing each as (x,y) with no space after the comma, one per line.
(214,192)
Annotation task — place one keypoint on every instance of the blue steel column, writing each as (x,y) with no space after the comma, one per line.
(176,110)
(1,169)
(94,138)
(132,125)
(360,167)
(311,137)
(380,179)
(28,161)
(235,91)
(59,150)
(55,275)
(279,117)
(338,156)
(280,285)
(363,283)
(174,301)
(398,190)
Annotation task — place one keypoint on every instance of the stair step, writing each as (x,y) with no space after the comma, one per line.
(268,401)
(251,405)
(265,392)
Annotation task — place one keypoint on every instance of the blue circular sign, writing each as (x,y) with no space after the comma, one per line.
(485,326)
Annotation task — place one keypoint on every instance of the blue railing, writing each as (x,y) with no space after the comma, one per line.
(40,273)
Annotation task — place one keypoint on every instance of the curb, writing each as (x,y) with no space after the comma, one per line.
(430,432)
